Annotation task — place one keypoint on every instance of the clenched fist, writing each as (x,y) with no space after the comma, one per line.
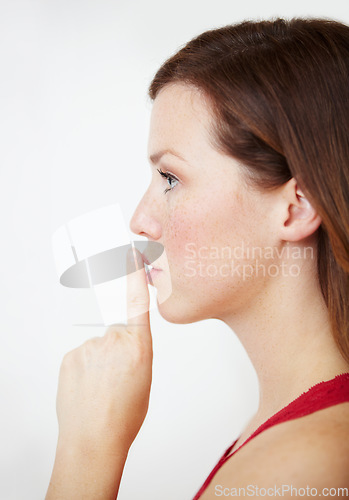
(102,400)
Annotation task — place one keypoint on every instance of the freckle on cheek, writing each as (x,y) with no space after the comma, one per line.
(180,231)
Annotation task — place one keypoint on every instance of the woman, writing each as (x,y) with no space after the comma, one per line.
(249,147)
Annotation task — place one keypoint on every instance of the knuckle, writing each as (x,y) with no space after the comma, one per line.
(114,331)
(90,342)
(111,337)
(90,348)
(67,359)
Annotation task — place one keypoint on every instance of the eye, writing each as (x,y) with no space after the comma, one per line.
(170,179)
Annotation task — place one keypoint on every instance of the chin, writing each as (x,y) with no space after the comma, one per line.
(176,312)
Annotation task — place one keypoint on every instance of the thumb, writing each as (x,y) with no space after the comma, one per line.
(138,299)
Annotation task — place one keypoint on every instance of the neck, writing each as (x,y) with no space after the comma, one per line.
(288,338)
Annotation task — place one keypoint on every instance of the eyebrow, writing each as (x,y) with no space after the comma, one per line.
(156,157)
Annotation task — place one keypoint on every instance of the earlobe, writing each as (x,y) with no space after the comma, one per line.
(302,219)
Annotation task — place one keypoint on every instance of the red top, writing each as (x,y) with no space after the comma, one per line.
(318,397)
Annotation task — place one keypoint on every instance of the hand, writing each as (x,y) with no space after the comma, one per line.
(104,385)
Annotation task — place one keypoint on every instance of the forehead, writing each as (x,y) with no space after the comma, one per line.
(180,120)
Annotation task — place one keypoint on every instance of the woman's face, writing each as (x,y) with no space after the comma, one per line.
(207,218)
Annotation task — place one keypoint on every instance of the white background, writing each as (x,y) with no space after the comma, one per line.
(74,120)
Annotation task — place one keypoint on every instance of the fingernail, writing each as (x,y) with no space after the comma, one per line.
(130,261)
(134,260)
(138,258)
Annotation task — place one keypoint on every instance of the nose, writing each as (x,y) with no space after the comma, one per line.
(145,220)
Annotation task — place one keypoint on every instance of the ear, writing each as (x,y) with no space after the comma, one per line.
(300,219)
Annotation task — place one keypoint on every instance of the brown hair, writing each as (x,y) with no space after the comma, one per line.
(279,91)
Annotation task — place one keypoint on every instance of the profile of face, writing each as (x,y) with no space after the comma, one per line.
(203,213)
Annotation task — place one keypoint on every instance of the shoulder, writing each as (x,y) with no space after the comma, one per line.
(309,451)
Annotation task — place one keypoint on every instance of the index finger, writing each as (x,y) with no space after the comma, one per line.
(138,299)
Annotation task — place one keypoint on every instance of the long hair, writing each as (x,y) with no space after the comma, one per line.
(279,93)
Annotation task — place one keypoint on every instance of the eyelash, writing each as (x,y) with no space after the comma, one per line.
(167,176)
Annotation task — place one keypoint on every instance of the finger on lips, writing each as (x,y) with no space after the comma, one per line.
(137,292)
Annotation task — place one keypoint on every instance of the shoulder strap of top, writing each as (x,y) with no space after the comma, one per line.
(318,397)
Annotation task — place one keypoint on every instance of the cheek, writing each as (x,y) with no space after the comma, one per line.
(192,230)
(183,228)
(206,241)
